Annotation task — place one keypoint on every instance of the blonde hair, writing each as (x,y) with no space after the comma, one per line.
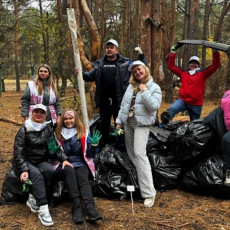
(38,82)
(134,82)
(78,124)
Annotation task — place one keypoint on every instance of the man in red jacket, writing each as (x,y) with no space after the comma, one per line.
(193,81)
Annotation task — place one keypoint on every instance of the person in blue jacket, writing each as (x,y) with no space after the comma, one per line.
(80,148)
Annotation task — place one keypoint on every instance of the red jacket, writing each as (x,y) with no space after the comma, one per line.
(192,86)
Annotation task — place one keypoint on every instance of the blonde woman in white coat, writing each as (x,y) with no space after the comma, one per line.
(138,111)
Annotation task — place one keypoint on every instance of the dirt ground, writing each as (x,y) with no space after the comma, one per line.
(172,210)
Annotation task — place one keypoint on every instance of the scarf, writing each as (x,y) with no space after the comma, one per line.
(193,71)
(32,126)
(68,133)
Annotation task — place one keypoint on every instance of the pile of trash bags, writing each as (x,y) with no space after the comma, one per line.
(183,155)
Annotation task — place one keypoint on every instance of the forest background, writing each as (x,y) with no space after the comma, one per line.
(34,32)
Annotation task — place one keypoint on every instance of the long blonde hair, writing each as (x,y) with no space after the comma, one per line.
(39,82)
(78,124)
(134,82)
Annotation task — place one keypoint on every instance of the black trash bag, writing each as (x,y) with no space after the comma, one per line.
(166,169)
(152,143)
(215,120)
(173,125)
(192,141)
(114,172)
(207,178)
(12,189)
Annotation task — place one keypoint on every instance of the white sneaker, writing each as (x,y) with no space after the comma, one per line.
(227,178)
(31,203)
(44,215)
(149,202)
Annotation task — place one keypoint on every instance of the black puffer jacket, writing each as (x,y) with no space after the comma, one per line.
(121,78)
(32,147)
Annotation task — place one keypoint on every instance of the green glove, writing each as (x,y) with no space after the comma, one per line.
(26,185)
(94,140)
(118,132)
(52,145)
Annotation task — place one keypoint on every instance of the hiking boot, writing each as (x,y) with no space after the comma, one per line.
(44,215)
(78,215)
(32,204)
(92,214)
(149,202)
(227,178)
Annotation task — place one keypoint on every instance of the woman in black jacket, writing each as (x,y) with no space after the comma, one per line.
(31,154)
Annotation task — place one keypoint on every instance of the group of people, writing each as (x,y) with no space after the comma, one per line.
(54,145)
(125,90)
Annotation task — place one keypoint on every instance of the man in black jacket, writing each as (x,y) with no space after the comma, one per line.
(111,76)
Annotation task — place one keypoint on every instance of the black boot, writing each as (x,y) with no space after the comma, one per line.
(78,215)
(92,214)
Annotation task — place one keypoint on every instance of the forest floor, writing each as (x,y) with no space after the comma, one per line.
(173,209)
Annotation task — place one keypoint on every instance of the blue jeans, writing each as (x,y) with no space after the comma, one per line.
(179,105)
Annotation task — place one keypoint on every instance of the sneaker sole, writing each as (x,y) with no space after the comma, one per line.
(45,223)
(31,208)
(92,220)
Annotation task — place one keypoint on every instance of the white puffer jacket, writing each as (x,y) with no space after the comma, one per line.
(146,104)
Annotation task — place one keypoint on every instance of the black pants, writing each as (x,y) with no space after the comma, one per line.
(41,176)
(107,109)
(77,182)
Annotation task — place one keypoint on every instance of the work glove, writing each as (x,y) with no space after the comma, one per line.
(118,132)
(26,185)
(173,49)
(94,140)
(138,50)
(52,145)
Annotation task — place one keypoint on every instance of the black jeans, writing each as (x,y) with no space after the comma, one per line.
(107,109)
(77,182)
(41,176)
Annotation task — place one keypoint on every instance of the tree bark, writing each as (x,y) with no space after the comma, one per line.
(167,43)
(45,55)
(191,29)
(146,6)
(155,41)
(205,29)
(136,23)
(92,30)
(16,50)
(224,11)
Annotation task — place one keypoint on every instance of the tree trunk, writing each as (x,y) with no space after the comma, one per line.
(146,6)
(205,30)
(136,23)
(45,58)
(155,41)
(224,11)
(217,36)
(166,38)
(60,55)
(191,29)
(16,50)
(92,30)
(102,25)
(123,27)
